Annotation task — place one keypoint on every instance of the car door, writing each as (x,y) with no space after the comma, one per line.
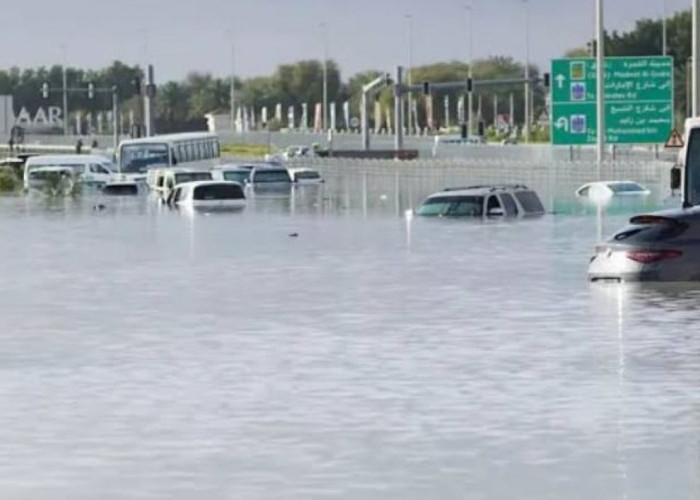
(99,174)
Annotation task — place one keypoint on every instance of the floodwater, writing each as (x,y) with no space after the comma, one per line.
(150,353)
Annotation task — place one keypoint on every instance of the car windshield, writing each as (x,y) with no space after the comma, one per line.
(137,158)
(530,202)
(626,187)
(271,176)
(237,176)
(191,177)
(454,206)
(307,175)
(218,192)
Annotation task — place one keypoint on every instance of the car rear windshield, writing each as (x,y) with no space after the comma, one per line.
(271,176)
(530,202)
(192,176)
(625,187)
(237,176)
(453,206)
(218,192)
(648,233)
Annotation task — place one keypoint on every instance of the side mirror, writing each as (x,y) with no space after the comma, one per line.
(675,178)
(496,212)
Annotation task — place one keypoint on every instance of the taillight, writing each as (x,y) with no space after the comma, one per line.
(649,256)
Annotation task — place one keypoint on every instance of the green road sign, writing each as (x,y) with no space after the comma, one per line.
(638,100)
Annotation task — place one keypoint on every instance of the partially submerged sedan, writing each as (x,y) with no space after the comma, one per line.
(607,189)
(661,246)
(483,201)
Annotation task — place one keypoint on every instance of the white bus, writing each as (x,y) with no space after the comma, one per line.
(135,157)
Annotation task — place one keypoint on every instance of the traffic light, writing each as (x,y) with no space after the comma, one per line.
(137,85)
(470,85)
(426,88)
(91,90)
(546,79)
(45,90)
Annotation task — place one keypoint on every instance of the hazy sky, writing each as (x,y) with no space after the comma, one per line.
(179,36)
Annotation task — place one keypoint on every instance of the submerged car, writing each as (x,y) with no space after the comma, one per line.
(270,175)
(483,201)
(233,173)
(607,189)
(305,176)
(661,246)
(53,180)
(211,195)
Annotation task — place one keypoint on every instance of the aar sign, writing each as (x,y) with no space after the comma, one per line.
(42,119)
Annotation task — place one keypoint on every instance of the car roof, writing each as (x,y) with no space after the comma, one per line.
(205,183)
(481,190)
(66,159)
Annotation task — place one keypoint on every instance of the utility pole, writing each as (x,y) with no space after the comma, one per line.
(324,26)
(232,91)
(696,59)
(470,96)
(115,117)
(65,90)
(526,127)
(409,127)
(398,109)
(664,32)
(600,78)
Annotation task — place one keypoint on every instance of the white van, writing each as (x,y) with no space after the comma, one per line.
(88,169)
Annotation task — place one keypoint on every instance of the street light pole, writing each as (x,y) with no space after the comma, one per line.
(696,58)
(409,78)
(65,89)
(470,75)
(664,33)
(600,78)
(324,26)
(232,83)
(526,127)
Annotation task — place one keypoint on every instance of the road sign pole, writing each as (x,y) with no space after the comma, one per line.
(600,80)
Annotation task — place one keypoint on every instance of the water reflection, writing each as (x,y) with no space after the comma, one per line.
(372,356)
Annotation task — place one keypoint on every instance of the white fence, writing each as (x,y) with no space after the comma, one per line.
(403,185)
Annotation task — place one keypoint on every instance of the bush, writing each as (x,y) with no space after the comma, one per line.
(8,180)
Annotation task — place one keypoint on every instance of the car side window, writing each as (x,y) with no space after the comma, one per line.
(509,204)
(584,191)
(493,203)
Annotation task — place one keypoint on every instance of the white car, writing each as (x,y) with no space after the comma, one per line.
(88,169)
(210,195)
(305,176)
(607,189)
(54,180)
(509,200)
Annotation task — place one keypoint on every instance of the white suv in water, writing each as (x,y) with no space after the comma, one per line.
(495,200)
